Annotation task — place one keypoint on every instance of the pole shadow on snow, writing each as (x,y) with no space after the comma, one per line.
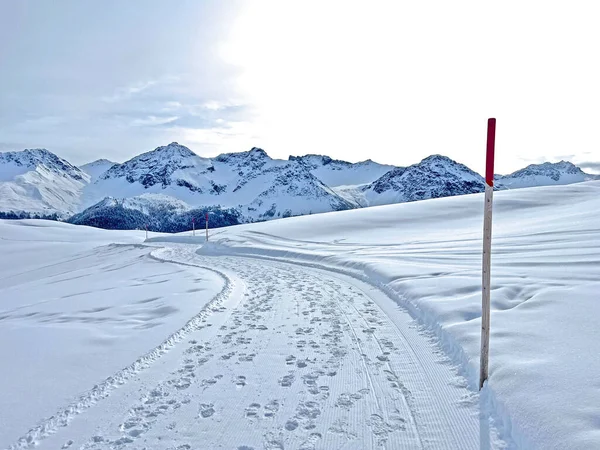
(484,423)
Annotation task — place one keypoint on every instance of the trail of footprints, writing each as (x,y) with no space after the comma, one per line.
(318,335)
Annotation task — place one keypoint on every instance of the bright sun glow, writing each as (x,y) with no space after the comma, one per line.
(397,81)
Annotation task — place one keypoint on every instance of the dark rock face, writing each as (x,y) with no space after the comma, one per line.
(434,177)
(155,167)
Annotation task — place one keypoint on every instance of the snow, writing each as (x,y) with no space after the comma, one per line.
(546,174)
(250,184)
(353,193)
(97,168)
(433,177)
(336,173)
(546,272)
(145,201)
(78,305)
(250,181)
(37,181)
(356,329)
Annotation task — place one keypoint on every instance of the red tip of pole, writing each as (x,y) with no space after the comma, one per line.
(489,163)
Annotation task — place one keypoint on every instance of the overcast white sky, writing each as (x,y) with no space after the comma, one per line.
(394,81)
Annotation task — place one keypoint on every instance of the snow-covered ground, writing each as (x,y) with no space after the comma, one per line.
(77,306)
(544,371)
(355,330)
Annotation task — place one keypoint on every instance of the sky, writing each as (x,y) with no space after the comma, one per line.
(392,81)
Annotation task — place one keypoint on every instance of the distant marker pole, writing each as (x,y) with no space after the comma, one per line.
(146,231)
(487,249)
(206,227)
(193,226)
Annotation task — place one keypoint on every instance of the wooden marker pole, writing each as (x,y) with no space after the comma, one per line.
(487,248)
(206,227)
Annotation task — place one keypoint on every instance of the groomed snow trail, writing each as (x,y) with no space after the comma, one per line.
(296,358)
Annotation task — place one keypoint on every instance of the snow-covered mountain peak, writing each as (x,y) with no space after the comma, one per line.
(436,168)
(366,162)
(158,166)
(254,157)
(172,152)
(552,170)
(314,161)
(335,172)
(245,186)
(37,181)
(20,162)
(563,172)
(258,152)
(564,165)
(439,165)
(99,162)
(439,161)
(96,168)
(433,177)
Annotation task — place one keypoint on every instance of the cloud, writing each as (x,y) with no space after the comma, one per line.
(566,157)
(214,105)
(223,137)
(122,98)
(10,147)
(171,106)
(152,121)
(127,92)
(593,166)
(211,109)
(40,123)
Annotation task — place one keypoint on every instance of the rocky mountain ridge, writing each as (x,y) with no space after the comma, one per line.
(248,186)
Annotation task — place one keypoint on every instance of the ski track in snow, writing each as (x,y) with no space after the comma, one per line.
(63,417)
(303,359)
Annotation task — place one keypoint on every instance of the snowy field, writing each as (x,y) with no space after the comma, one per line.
(76,309)
(350,330)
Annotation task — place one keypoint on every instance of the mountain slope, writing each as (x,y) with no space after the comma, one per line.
(154,211)
(36,181)
(435,176)
(335,173)
(545,174)
(172,170)
(253,183)
(97,168)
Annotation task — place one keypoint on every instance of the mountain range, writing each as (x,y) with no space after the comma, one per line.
(167,187)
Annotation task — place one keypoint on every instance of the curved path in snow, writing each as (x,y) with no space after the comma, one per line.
(294,358)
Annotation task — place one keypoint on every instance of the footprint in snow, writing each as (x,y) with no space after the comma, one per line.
(291,425)
(252,411)
(271,408)
(287,380)
(206,410)
(311,442)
